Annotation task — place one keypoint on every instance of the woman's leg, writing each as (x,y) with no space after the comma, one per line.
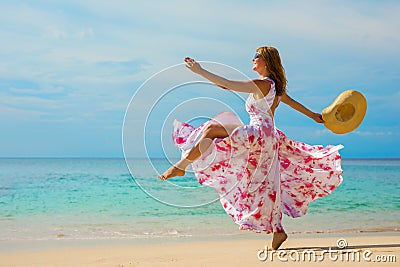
(210,133)
(278,239)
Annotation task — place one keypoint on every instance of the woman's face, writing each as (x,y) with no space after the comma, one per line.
(258,63)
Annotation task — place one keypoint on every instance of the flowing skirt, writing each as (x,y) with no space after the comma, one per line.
(259,173)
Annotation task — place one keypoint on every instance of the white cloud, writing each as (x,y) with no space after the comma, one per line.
(55,32)
(27,102)
(365,133)
(41,91)
(370,133)
(322,132)
(18,114)
(162,33)
(334,23)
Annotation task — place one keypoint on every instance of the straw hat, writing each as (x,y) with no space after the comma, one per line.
(345,113)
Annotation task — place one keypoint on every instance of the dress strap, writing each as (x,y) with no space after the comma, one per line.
(270,80)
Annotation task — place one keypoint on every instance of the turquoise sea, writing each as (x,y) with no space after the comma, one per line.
(45,199)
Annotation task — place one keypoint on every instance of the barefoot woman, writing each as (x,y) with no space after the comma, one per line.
(257,171)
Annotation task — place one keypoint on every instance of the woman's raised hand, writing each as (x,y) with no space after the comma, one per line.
(193,65)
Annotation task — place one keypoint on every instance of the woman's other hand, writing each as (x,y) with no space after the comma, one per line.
(317,117)
(193,65)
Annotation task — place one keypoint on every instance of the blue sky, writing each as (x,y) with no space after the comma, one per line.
(68,69)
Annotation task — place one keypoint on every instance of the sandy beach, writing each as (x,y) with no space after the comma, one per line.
(375,249)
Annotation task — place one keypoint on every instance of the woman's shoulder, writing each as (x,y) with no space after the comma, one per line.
(264,87)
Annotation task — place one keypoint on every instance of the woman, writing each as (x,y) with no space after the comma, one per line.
(256,170)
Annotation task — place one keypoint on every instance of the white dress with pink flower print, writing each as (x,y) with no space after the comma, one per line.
(257,171)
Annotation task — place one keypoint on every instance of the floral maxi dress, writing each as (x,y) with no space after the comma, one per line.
(257,171)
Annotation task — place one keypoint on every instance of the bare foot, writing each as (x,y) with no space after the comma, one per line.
(278,239)
(171,172)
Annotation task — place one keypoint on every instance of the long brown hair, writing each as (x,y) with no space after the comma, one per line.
(274,66)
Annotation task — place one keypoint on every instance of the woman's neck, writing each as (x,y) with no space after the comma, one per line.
(263,75)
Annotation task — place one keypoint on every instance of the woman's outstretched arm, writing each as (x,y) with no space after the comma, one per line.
(300,108)
(257,87)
